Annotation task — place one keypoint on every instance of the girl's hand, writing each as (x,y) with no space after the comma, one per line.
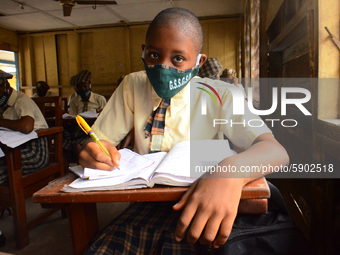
(210,205)
(93,157)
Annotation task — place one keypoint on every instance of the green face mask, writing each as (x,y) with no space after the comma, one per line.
(168,81)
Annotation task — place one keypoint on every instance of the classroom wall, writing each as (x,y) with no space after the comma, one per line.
(108,52)
(8,40)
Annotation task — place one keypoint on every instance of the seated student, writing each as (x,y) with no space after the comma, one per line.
(229,75)
(43,90)
(19,113)
(85,99)
(208,209)
(210,69)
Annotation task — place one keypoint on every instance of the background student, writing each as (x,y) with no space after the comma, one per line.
(161,118)
(210,69)
(18,112)
(85,99)
(43,90)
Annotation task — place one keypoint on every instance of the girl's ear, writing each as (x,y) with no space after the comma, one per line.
(203,59)
(143,47)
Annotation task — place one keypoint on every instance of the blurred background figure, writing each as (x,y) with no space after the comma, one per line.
(229,75)
(42,90)
(86,100)
(210,69)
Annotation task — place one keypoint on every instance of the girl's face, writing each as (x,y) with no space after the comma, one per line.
(171,47)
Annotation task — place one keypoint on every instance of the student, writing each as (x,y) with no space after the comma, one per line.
(229,76)
(207,211)
(19,113)
(43,90)
(85,99)
(210,69)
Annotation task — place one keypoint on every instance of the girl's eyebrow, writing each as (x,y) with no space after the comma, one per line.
(179,52)
(153,48)
(175,51)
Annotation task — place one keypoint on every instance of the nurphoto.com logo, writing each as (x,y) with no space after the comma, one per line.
(239,105)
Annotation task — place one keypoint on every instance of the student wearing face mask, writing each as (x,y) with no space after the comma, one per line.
(85,99)
(157,104)
(18,112)
(43,90)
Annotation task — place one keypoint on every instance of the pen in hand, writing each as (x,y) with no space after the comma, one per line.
(87,129)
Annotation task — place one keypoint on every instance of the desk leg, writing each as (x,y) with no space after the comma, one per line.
(84,224)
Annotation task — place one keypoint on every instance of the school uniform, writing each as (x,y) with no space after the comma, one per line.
(73,134)
(95,104)
(149,228)
(34,154)
(48,94)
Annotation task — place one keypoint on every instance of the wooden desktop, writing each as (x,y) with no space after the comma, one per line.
(82,211)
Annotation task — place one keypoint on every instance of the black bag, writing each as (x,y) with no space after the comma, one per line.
(271,233)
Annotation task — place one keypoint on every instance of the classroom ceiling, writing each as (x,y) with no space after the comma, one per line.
(38,15)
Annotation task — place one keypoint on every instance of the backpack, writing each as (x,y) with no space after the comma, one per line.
(267,234)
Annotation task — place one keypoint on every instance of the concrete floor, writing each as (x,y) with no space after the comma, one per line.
(52,236)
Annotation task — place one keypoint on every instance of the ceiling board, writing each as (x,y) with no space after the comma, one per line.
(38,21)
(140,12)
(86,16)
(39,15)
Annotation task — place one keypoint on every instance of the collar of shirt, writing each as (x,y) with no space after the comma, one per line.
(12,98)
(177,102)
(91,99)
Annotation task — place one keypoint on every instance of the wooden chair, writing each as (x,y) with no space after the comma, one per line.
(65,104)
(52,109)
(18,188)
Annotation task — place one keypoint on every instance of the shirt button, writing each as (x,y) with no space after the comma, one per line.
(168,129)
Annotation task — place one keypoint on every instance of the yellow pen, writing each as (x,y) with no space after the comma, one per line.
(87,129)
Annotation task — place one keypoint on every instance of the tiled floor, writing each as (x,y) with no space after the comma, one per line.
(52,236)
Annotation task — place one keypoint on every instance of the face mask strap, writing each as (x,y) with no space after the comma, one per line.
(198,59)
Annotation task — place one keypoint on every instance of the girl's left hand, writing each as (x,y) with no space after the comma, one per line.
(210,205)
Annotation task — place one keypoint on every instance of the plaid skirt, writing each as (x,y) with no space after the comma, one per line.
(143,228)
(34,156)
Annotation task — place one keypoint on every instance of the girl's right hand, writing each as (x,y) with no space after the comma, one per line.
(92,156)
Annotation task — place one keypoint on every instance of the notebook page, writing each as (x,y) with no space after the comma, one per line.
(15,138)
(129,162)
(177,161)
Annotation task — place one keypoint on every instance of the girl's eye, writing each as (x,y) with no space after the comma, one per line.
(154,55)
(179,59)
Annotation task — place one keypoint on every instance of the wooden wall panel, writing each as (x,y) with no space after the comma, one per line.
(221,39)
(39,59)
(216,42)
(137,38)
(63,65)
(50,60)
(73,46)
(205,27)
(86,51)
(8,40)
(116,46)
(109,53)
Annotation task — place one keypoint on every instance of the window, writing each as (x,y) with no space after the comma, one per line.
(9,64)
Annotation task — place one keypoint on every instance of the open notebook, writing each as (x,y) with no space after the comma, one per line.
(172,168)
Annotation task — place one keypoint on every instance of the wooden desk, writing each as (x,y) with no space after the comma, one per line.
(82,210)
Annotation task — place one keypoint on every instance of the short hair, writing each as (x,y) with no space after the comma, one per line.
(180,18)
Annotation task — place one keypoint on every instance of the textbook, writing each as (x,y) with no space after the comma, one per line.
(166,168)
